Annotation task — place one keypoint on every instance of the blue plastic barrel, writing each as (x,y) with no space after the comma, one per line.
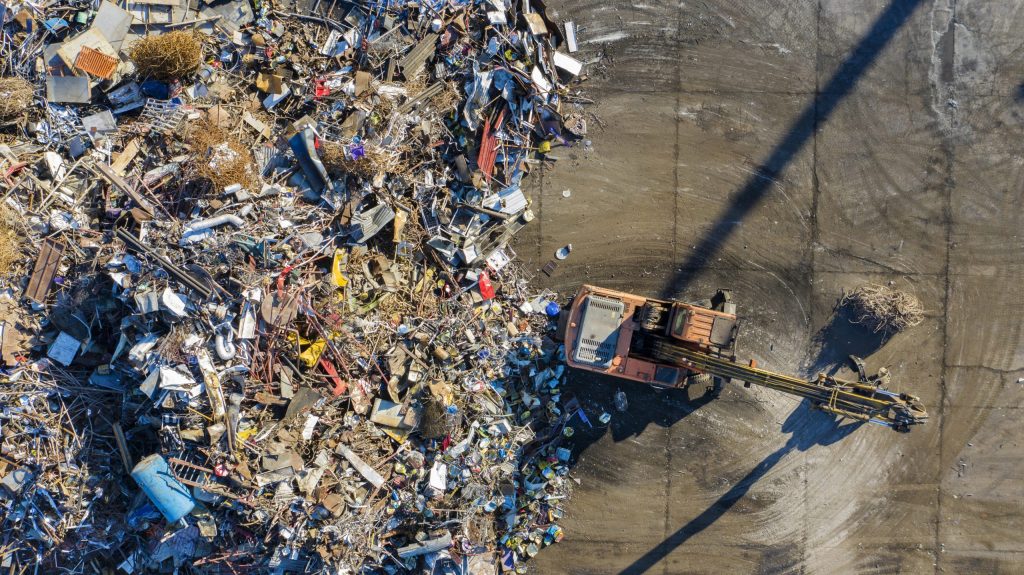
(165,491)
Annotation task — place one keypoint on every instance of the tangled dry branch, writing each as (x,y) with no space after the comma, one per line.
(375,160)
(882,308)
(12,244)
(220,157)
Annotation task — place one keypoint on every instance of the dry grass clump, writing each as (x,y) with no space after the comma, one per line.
(444,101)
(415,85)
(377,160)
(882,308)
(15,95)
(12,248)
(447,100)
(334,158)
(219,157)
(167,56)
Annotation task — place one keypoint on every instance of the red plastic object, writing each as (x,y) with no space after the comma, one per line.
(486,289)
(280,280)
(320,90)
(339,386)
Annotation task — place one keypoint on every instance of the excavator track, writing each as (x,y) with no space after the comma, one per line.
(856,400)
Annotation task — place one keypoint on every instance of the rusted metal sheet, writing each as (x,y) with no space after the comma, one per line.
(96,63)
(489,146)
(45,269)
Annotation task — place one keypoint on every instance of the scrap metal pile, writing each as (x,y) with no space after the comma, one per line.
(260,312)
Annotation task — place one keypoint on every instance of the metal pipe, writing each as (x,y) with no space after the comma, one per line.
(225,349)
(214,222)
(179,274)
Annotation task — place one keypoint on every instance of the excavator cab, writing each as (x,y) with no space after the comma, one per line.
(708,326)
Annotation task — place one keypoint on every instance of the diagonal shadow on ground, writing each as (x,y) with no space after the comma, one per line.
(860,59)
(807,427)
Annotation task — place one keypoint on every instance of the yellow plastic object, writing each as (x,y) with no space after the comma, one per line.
(336,266)
(399,435)
(312,353)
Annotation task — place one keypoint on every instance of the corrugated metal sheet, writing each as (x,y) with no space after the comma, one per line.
(96,63)
(366,224)
(413,62)
(510,201)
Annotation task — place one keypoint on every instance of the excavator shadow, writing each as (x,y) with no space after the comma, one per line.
(840,339)
(596,392)
(807,427)
(803,129)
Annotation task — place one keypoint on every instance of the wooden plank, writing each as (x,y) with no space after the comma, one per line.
(122,160)
(44,270)
(118,182)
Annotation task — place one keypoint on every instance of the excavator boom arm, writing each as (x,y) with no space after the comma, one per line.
(856,400)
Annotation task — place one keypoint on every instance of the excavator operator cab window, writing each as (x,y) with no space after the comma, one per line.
(679,321)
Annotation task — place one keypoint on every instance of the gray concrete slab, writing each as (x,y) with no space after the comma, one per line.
(720,143)
(980,523)
(600,194)
(881,175)
(899,38)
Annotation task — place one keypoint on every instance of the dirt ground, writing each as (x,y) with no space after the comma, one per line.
(791,149)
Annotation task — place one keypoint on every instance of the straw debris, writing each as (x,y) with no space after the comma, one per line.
(447,100)
(882,308)
(11,242)
(219,157)
(168,56)
(15,95)
(375,160)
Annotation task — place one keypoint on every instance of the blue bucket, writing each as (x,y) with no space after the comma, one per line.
(168,494)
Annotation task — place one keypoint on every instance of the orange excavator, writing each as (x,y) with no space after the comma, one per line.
(676,344)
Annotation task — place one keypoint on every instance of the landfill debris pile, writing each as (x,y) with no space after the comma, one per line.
(260,312)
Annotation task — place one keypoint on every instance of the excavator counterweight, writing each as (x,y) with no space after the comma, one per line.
(676,344)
